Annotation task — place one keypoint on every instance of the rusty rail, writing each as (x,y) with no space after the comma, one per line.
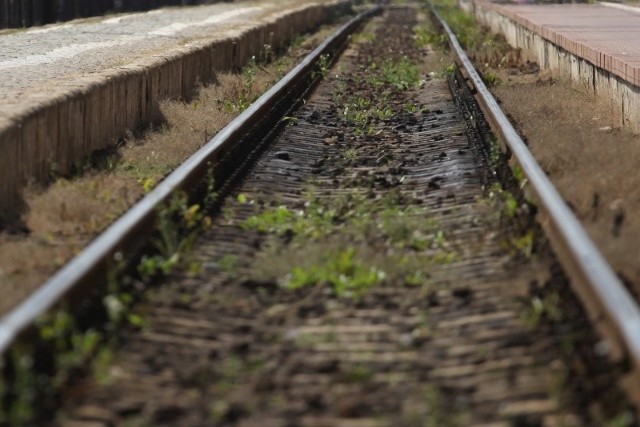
(93,262)
(609,304)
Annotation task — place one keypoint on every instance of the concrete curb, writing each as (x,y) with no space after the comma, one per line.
(61,129)
(594,72)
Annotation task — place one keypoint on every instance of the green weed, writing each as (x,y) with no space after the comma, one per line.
(436,414)
(23,390)
(312,222)
(228,262)
(341,88)
(178,224)
(524,244)
(341,270)
(363,113)
(504,200)
(402,226)
(540,309)
(350,154)
(244,94)
(229,371)
(469,33)
(624,419)
(319,218)
(491,78)
(425,35)
(290,121)
(402,74)
(101,364)
(416,278)
(359,374)
(61,343)
(411,108)
(363,37)
(73,347)
(267,53)
(357,222)
(519,175)
(322,67)
(450,69)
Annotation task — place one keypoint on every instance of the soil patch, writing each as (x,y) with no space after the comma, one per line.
(593,164)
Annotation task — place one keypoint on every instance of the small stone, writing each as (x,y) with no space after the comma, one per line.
(283,155)
(464,294)
(292,334)
(351,407)
(406,340)
(602,348)
(93,413)
(276,311)
(129,408)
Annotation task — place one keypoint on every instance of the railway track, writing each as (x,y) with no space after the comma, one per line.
(372,267)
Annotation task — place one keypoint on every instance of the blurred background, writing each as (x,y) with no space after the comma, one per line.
(26,13)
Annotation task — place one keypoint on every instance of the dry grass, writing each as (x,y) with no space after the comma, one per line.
(186,127)
(62,218)
(576,139)
(593,164)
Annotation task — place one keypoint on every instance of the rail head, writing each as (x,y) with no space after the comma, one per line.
(602,291)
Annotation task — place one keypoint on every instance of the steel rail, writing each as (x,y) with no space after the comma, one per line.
(602,292)
(96,256)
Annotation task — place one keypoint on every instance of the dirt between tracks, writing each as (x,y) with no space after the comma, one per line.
(362,275)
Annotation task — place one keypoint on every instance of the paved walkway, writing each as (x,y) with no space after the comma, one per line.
(607,35)
(67,90)
(40,62)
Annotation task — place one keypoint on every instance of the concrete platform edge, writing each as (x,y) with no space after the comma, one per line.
(582,69)
(59,131)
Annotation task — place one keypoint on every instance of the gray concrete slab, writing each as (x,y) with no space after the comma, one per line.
(69,89)
(42,59)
